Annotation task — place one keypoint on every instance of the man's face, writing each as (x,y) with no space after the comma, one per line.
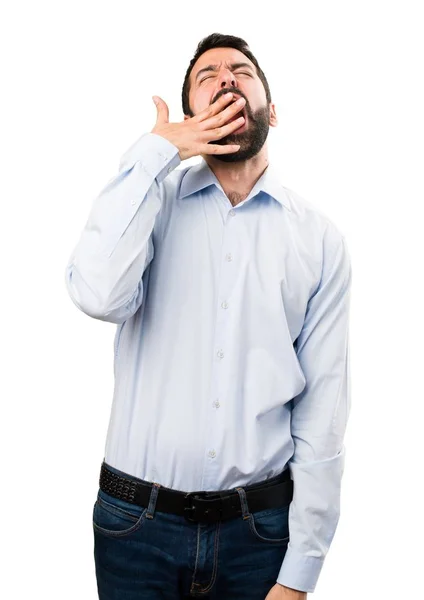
(207,86)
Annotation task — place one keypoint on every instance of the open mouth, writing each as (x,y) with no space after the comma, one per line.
(241,113)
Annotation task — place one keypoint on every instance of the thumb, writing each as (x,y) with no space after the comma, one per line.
(162,110)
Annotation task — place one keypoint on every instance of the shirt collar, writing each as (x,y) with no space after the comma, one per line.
(201,176)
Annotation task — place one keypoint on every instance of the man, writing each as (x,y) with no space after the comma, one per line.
(224,454)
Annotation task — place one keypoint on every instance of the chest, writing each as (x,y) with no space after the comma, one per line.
(252,255)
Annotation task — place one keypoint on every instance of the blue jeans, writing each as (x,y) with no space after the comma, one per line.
(142,553)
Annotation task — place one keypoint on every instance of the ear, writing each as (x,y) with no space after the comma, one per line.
(186,117)
(273,120)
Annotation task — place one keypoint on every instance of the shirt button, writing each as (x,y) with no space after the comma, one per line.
(133,201)
(232,213)
(229,257)
(220,354)
(169,169)
(212,453)
(216,404)
(224,304)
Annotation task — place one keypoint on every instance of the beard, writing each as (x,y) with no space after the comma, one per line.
(251,140)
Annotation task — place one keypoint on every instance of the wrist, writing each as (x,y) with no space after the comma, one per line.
(292,594)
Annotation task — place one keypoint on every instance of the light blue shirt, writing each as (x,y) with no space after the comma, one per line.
(231,347)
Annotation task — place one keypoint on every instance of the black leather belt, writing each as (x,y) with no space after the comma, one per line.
(203,506)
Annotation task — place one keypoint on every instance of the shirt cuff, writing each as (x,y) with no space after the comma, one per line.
(299,572)
(158,155)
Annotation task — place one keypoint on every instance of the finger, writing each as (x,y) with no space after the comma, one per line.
(215,108)
(226,114)
(218,149)
(220,132)
(162,110)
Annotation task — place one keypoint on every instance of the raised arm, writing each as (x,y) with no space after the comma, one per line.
(104,273)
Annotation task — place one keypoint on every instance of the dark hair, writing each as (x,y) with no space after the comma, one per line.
(218,40)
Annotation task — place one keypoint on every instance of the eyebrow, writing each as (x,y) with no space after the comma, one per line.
(233,66)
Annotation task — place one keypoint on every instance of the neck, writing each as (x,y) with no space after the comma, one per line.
(238,179)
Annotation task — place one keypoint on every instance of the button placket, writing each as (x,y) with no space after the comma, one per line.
(219,378)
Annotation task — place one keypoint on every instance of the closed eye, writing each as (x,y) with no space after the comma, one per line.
(209,76)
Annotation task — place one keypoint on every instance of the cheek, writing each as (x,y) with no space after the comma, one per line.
(201,102)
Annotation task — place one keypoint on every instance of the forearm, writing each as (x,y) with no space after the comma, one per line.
(104,273)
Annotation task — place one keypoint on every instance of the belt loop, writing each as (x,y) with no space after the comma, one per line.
(152,500)
(243,501)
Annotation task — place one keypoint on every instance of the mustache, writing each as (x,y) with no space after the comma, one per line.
(226,91)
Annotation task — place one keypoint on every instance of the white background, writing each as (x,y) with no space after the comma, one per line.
(77,80)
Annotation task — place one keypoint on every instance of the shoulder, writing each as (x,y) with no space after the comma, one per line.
(311,221)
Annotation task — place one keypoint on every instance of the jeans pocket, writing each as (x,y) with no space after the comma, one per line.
(115,517)
(271,525)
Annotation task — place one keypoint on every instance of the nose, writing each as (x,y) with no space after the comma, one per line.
(227,79)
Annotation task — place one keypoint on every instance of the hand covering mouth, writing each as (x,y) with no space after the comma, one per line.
(241,113)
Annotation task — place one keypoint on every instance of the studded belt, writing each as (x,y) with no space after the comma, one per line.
(204,506)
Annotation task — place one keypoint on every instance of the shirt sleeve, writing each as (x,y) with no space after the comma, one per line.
(104,273)
(319,418)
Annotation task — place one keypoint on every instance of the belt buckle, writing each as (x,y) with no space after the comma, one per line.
(191,506)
